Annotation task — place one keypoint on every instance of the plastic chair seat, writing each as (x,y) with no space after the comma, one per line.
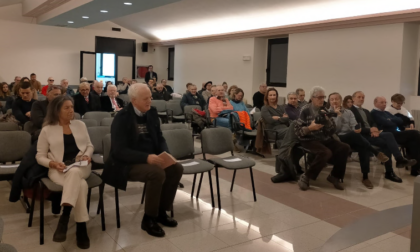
(92,181)
(98,158)
(8,169)
(242,164)
(200,167)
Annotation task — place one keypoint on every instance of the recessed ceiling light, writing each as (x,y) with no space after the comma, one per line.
(104,11)
(70,22)
(127,3)
(85,17)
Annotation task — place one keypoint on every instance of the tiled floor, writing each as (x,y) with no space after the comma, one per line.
(283,218)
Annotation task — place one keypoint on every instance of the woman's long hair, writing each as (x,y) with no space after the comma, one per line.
(2,94)
(237,91)
(266,102)
(232,96)
(54,108)
(348,97)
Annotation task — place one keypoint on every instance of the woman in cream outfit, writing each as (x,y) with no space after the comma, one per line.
(64,140)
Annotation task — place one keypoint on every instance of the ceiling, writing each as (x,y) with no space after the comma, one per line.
(9,2)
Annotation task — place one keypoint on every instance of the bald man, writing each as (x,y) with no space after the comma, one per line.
(136,143)
(406,137)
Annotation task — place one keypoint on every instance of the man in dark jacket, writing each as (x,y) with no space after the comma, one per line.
(150,75)
(22,106)
(136,141)
(408,138)
(111,102)
(161,93)
(384,140)
(192,98)
(84,101)
(39,109)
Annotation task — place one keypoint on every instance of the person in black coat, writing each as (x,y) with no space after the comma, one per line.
(192,98)
(150,75)
(161,93)
(168,88)
(111,102)
(84,101)
(22,106)
(136,141)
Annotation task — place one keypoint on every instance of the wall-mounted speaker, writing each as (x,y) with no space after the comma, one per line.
(144,47)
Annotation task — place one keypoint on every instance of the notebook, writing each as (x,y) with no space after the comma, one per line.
(168,159)
(77,164)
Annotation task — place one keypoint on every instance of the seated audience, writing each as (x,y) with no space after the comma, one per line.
(50,83)
(219,103)
(6,96)
(64,141)
(123,87)
(225,86)
(347,102)
(274,115)
(384,140)
(292,110)
(213,93)
(258,98)
(65,86)
(207,90)
(136,141)
(97,88)
(151,85)
(106,86)
(111,103)
(168,88)
(188,87)
(345,123)
(85,101)
(192,98)
(236,102)
(36,85)
(22,106)
(231,92)
(39,109)
(396,108)
(161,93)
(16,81)
(203,88)
(301,98)
(318,138)
(16,88)
(406,137)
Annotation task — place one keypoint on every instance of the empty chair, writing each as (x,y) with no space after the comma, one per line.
(216,141)
(174,111)
(181,146)
(173,126)
(97,115)
(256,116)
(9,126)
(13,146)
(77,115)
(125,98)
(160,106)
(90,122)
(28,127)
(107,121)
(96,134)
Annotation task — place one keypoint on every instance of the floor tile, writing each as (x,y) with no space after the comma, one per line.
(162,245)
(263,244)
(201,241)
(235,233)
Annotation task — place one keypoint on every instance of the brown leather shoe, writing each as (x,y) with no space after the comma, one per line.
(382,157)
(367,183)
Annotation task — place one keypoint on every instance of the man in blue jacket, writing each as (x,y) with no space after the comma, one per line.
(408,138)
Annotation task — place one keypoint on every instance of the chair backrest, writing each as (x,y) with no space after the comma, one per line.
(41,97)
(175,107)
(8,126)
(14,145)
(188,110)
(90,122)
(180,143)
(281,100)
(107,121)
(256,116)
(160,105)
(125,98)
(96,134)
(216,141)
(106,145)
(97,115)
(77,115)
(173,126)
(28,127)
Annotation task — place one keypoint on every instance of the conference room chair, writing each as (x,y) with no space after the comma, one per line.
(216,141)
(160,106)
(96,135)
(188,112)
(90,122)
(174,111)
(9,126)
(28,127)
(41,97)
(97,115)
(125,98)
(94,180)
(107,121)
(173,126)
(246,136)
(77,116)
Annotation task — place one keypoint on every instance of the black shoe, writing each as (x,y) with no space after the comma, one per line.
(82,237)
(414,172)
(60,233)
(152,227)
(167,221)
(405,162)
(394,178)
(335,181)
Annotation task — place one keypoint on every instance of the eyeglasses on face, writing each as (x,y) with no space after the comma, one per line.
(50,80)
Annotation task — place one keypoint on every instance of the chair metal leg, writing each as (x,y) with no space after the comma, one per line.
(199,185)
(98,211)
(211,189)
(193,185)
(233,180)
(144,193)
(31,213)
(88,199)
(41,215)
(117,207)
(218,188)
(101,205)
(253,186)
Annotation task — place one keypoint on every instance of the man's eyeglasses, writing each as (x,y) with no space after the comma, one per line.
(50,80)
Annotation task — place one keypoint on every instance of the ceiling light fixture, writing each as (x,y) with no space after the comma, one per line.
(70,22)
(127,3)
(104,11)
(85,17)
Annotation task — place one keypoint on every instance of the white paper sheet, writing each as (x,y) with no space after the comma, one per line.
(190,163)
(233,160)
(77,164)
